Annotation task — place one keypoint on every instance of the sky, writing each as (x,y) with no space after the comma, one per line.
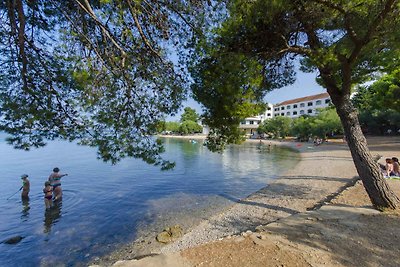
(305,85)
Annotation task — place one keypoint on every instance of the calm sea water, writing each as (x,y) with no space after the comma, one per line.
(104,205)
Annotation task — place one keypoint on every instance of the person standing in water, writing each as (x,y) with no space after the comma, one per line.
(55,181)
(48,194)
(26,186)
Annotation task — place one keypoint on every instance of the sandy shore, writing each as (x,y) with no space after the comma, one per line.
(313,215)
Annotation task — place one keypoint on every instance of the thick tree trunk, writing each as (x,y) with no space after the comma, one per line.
(382,197)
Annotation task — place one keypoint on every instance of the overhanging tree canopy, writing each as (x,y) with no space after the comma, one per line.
(100,71)
(95,71)
(346,42)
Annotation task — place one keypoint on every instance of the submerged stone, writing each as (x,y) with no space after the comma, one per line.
(170,234)
(13,240)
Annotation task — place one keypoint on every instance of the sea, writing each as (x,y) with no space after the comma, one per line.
(105,206)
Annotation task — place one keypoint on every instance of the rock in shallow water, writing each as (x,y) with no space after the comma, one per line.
(170,234)
(13,240)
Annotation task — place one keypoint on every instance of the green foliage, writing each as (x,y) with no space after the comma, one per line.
(379,121)
(229,88)
(98,72)
(327,122)
(189,114)
(172,126)
(190,127)
(381,95)
(278,126)
(302,127)
(346,42)
(379,104)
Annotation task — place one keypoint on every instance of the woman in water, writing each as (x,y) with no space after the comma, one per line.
(55,180)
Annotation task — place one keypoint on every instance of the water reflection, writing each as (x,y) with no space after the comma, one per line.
(51,216)
(25,208)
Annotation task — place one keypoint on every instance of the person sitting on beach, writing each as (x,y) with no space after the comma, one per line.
(388,167)
(55,180)
(48,194)
(25,186)
(396,166)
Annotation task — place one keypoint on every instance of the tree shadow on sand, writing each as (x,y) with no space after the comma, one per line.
(351,236)
(275,202)
(337,234)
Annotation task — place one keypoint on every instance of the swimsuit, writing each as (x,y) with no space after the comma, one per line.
(48,191)
(55,179)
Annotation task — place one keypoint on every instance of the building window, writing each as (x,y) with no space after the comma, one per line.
(309,111)
(302,105)
(301,112)
(318,102)
(327,101)
(268,114)
(294,112)
(276,109)
(309,104)
(288,113)
(251,122)
(294,106)
(282,108)
(268,108)
(282,114)
(287,107)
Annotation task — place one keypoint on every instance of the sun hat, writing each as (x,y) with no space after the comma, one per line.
(24,176)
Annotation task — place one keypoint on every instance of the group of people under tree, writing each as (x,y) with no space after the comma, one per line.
(392,167)
(52,187)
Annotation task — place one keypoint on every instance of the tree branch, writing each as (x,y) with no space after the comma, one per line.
(142,35)
(371,30)
(88,9)
(350,30)
(21,42)
(182,17)
(292,48)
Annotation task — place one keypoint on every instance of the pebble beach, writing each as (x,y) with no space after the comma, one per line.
(324,174)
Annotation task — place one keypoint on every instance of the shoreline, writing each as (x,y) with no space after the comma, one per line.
(289,194)
(146,245)
(309,185)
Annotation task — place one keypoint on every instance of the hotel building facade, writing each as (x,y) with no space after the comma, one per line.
(307,105)
(293,108)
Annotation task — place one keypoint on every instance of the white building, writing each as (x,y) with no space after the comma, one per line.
(251,124)
(307,105)
(293,108)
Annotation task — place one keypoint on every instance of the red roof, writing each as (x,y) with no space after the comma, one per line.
(304,99)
